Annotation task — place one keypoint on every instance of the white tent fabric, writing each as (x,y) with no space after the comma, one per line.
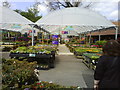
(70,33)
(27,30)
(10,16)
(77,29)
(81,19)
(74,16)
(84,29)
(60,29)
(15,27)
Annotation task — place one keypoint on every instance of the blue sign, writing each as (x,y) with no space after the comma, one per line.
(55,42)
(54,36)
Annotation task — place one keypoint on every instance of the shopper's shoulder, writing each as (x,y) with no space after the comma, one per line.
(109,57)
(105,57)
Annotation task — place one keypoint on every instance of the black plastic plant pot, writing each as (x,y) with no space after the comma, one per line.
(52,65)
(53,52)
(44,67)
(27,55)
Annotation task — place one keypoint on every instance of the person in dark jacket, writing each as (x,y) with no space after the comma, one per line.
(107,73)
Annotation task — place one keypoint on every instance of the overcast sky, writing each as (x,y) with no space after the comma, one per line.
(109,9)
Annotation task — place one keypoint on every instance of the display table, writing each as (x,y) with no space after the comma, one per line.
(48,58)
(90,60)
(28,55)
(6,45)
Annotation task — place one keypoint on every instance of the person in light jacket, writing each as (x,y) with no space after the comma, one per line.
(107,73)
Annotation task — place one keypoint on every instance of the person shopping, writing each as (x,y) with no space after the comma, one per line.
(107,72)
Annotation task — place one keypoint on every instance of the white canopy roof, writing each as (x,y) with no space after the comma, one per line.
(9,16)
(75,28)
(74,16)
(15,27)
(59,30)
(81,19)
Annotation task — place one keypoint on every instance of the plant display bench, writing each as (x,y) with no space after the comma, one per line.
(90,60)
(47,58)
(86,61)
(93,64)
(79,55)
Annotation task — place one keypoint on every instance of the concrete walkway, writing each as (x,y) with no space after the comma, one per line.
(68,71)
(4,55)
(63,50)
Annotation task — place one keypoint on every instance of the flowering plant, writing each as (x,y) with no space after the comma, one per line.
(50,86)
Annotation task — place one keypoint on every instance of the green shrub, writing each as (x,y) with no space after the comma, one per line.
(18,72)
(100,42)
(6,49)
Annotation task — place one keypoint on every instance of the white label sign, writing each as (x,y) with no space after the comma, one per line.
(31,55)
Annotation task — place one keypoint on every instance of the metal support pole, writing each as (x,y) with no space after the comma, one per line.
(90,38)
(99,36)
(116,34)
(32,35)
(84,37)
(43,38)
(8,34)
(79,36)
(59,30)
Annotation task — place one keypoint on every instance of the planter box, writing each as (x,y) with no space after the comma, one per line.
(79,57)
(87,61)
(92,66)
(49,58)
(36,55)
(91,63)
(43,67)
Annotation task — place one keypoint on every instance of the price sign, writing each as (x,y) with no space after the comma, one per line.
(55,42)
(31,55)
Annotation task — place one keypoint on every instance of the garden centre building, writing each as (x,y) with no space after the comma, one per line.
(33,56)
